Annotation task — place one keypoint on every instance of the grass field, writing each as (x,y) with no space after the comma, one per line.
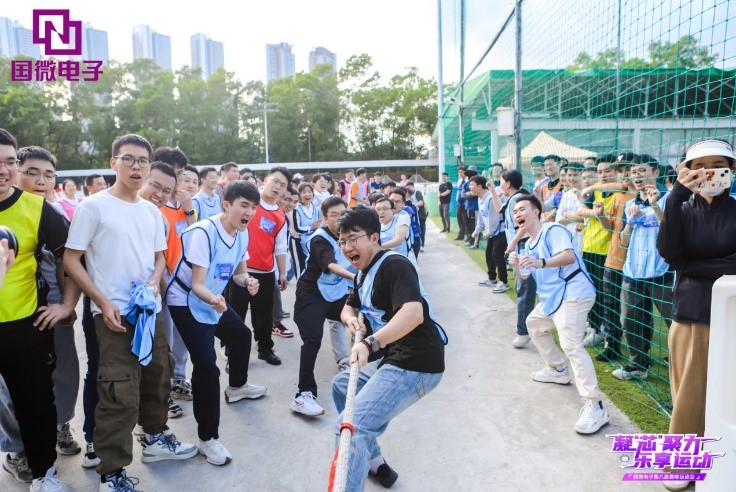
(629,396)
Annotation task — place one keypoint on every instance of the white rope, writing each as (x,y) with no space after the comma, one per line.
(343,451)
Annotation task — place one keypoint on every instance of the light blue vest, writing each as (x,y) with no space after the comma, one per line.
(375,315)
(403,247)
(554,283)
(332,286)
(224,260)
(303,221)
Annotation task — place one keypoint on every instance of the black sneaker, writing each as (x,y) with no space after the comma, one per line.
(385,475)
(270,357)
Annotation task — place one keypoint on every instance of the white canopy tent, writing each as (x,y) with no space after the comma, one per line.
(545,144)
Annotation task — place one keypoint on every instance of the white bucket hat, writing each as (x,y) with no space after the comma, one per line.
(707,148)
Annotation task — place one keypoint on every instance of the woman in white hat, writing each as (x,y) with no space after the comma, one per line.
(697,237)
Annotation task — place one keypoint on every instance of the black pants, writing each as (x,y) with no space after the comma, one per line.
(422,225)
(611,299)
(199,339)
(89,393)
(496,257)
(462,221)
(261,306)
(445,214)
(594,264)
(27,360)
(310,313)
(300,257)
(416,246)
(469,223)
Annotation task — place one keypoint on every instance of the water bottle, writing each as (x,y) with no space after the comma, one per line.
(527,271)
(143,278)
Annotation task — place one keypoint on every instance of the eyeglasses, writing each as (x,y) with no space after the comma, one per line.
(383,209)
(352,241)
(129,160)
(160,189)
(277,183)
(11,162)
(35,174)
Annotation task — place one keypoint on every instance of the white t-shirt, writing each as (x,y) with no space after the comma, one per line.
(319,197)
(198,253)
(570,203)
(403,218)
(120,240)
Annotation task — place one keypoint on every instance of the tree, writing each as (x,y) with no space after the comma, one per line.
(684,53)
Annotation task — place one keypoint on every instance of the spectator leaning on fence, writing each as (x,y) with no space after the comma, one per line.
(569,204)
(613,267)
(697,238)
(646,276)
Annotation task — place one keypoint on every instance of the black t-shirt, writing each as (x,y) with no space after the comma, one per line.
(443,188)
(321,255)
(396,283)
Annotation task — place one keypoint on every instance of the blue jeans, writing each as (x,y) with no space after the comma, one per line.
(526,294)
(381,395)
(89,393)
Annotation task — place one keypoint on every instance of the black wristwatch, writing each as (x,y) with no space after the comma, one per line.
(374,344)
(544,263)
(190,213)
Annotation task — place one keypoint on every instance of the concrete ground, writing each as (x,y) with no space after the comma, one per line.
(487,426)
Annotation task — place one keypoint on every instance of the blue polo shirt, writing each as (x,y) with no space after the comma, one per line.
(642,258)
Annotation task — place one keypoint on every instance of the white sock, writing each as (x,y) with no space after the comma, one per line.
(376,462)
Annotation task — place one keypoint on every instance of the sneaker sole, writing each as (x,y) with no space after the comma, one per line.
(230,399)
(282,335)
(520,345)
(299,410)
(500,291)
(169,457)
(561,381)
(87,463)
(227,461)
(68,452)
(595,429)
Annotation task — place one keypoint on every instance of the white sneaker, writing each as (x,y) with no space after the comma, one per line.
(676,485)
(166,448)
(306,404)
(500,288)
(626,373)
(215,452)
(552,375)
(48,483)
(250,391)
(521,341)
(593,338)
(487,282)
(182,390)
(90,458)
(592,417)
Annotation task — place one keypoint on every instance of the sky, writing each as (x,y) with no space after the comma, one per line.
(396,33)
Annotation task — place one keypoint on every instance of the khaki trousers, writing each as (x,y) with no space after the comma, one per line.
(688,344)
(126,389)
(569,320)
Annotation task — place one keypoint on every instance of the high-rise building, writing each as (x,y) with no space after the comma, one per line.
(94,44)
(147,43)
(16,40)
(207,54)
(322,56)
(279,61)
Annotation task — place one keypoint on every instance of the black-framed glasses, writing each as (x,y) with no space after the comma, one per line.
(129,160)
(36,173)
(160,189)
(352,241)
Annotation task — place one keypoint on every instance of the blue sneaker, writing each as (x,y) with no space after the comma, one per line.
(118,482)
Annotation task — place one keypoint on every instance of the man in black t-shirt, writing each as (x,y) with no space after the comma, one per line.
(320,295)
(388,293)
(445,195)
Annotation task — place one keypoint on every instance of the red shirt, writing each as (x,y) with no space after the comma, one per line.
(263,229)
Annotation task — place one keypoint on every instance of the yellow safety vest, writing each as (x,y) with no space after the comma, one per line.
(596,238)
(19,294)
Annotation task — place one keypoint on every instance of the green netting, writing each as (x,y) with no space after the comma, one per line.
(608,77)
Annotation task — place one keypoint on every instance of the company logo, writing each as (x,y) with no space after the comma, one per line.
(657,457)
(58,34)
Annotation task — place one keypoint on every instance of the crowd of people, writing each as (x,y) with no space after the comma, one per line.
(601,243)
(193,253)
